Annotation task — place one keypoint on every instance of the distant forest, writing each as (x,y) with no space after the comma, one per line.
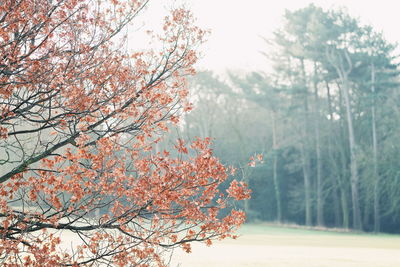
(326,119)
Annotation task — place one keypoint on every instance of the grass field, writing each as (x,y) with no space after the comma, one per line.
(265,245)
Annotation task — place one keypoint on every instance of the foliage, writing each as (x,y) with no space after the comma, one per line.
(318,55)
(79,119)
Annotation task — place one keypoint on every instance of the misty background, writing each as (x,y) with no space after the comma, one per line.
(313,86)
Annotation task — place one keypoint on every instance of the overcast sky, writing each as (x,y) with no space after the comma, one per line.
(236,30)
(237,26)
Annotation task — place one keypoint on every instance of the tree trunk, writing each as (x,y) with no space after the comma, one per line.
(307,185)
(353,158)
(333,175)
(275,147)
(375,156)
(343,174)
(345,209)
(337,59)
(304,152)
(320,200)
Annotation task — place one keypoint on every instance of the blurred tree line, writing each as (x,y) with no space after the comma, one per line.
(326,119)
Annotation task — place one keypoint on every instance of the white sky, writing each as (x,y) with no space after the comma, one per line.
(236,26)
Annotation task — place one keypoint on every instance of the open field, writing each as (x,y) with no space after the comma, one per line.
(263,245)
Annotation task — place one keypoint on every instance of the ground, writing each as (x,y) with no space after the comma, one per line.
(266,245)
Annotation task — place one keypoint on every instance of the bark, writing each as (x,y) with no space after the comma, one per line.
(304,152)
(307,185)
(343,75)
(345,209)
(375,155)
(340,174)
(353,159)
(320,200)
(343,175)
(334,175)
(275,168)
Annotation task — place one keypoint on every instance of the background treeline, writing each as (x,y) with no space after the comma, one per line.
(326,119)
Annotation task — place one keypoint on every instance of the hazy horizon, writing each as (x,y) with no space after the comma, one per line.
(237,28)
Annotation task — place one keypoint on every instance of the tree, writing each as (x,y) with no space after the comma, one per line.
(331,51)
(227,112)
(79,118)
(257,89)
(343,72)
(382,78)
